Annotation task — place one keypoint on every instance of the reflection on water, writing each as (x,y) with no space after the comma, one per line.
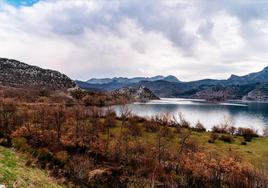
(243,114)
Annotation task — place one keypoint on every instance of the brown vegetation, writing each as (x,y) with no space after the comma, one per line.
(75,142)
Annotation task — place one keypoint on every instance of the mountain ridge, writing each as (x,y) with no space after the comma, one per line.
(234,87)
(125,80)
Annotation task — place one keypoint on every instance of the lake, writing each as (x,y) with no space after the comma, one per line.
(242,113)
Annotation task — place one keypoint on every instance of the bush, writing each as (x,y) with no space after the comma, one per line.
(247,133)
(165,131)
(219,129)
(213,138)
(21,144)
(231,130)
(183,122)
(151,126)
(227,138)
(134,130)
(199,127)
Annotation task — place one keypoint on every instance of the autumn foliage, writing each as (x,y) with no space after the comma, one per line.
(76,143)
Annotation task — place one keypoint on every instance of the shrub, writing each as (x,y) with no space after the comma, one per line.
(134,130)
(199,127)
(21,144)
(219,129)
(227,138)
(183,122)
(151,126)
(247,133)
(231,130)
(165,131)
(213,138)
(62,156)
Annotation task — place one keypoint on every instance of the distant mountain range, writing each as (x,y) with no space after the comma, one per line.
(122,80)
(253,86)
(17,74)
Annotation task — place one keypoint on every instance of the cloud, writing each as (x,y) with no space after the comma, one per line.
(100,38)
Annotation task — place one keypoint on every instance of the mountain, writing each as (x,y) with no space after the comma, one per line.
(125,81)
(15,73)
(251,86)
(261,77)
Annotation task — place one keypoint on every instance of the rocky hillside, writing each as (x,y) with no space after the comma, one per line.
(15,73)
(140,93)
(260,93)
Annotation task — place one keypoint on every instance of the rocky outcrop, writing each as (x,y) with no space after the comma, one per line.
(14,73)
(258,94)
(140,93)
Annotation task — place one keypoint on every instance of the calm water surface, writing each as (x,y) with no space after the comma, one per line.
(243,114)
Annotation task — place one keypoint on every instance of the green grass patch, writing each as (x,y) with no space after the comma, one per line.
(14,173)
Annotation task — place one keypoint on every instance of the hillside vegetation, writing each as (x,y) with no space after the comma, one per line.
(76,139)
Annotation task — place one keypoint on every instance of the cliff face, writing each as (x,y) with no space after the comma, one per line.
(140,93)
(14,73)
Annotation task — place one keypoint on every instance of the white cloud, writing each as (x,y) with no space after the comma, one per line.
(188,39)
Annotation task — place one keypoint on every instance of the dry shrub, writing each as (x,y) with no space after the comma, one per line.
(183,122)
(232,130)
(62,156)
(213,137)
(165,131)
(226,138)
(151,126)
(79,167)
(247,133)
(219,129)
(199,127)
(220,173)
(134,130)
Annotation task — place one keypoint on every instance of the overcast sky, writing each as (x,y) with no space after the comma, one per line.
(190,39)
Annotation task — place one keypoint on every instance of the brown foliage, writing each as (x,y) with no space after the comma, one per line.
(77,142)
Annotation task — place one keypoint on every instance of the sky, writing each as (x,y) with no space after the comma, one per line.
(190,39)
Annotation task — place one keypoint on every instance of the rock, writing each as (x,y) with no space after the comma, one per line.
(99,174)
(140,93)
(105,176)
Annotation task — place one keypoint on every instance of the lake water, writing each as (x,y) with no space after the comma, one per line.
(242,113)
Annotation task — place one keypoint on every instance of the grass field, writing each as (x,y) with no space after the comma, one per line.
(14,173)
(255,151)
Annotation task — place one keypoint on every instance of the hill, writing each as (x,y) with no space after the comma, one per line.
(140,93)
(18,74)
